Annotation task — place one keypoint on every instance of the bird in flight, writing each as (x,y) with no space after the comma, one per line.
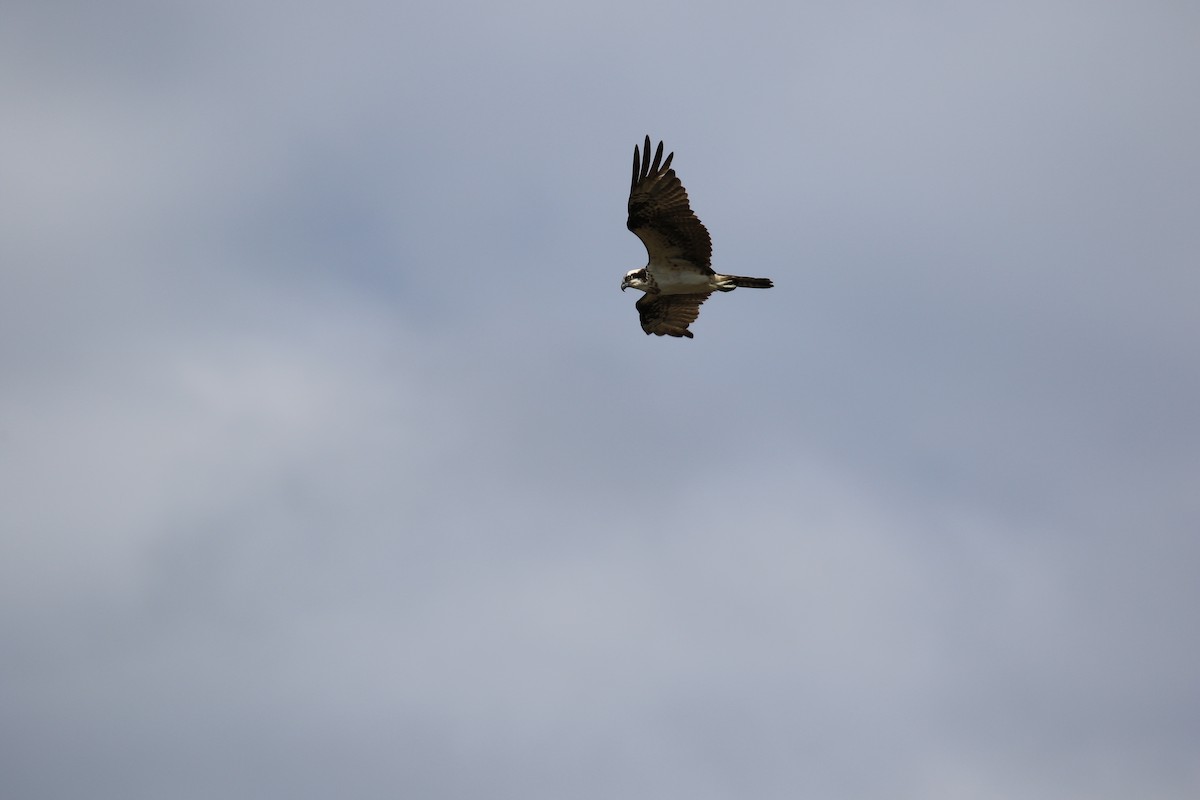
(679,275)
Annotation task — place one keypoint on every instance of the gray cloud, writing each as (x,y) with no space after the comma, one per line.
(335,463)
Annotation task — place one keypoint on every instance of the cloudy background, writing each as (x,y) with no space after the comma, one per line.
(334,464)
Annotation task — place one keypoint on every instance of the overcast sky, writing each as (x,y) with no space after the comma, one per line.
(334,463)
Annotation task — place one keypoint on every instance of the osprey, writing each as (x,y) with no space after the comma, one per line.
(679,276)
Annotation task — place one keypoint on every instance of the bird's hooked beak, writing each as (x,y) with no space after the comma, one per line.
(624,284)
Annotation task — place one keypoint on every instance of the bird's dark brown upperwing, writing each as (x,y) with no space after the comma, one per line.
(660,215)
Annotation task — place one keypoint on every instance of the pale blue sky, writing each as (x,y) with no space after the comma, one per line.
(335,463)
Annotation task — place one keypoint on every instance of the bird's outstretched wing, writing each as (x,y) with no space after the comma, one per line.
(669,314)
(660,215)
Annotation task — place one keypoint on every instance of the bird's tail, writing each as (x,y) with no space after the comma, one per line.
(752,283)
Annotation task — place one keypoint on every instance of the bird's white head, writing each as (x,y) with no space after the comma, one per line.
(635,279)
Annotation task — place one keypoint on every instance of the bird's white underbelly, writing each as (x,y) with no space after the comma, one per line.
(680,280)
